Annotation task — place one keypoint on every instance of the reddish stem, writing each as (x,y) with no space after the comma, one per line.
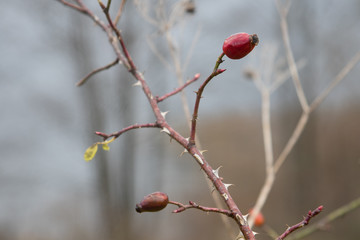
(82,81)
(80,9)
(179,89)
(301,224)
(183,207)
(135,126)
(215,72)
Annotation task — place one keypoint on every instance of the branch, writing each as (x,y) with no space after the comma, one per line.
(135,126)
(269,154)
(131,67)
(216,71)
(183,207)
(290,56)
(301,224)
(341,75)
(340,212)
(120,11)
(190,147)
(76,7)
(83,9)
(161,122)
(82,81)
(179,89)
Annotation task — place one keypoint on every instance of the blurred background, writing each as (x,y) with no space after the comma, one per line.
(49,192)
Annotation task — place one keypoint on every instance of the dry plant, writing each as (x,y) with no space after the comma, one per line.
(266,82)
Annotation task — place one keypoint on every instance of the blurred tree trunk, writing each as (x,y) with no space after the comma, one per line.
(83,55)
(115,188)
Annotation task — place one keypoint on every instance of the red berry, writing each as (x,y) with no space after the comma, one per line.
(259,219)
(239,45)
(153,202)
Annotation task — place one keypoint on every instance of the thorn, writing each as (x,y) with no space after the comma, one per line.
(141,74)
(164,113)
(216,171)
(228,185)
(246,217)
(203,151)
(165,130)
(255,233)
(138,83)
(185,151)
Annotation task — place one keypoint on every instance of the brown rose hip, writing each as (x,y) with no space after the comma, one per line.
(153,202)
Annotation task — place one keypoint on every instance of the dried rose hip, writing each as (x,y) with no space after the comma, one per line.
(153,202)
(239,45)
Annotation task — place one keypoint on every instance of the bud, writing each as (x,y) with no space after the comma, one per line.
(239,45)
(153,202)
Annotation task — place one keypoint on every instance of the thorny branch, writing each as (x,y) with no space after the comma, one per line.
(301,224)
(214,73)
(183,207)
(340,212)
(126,59)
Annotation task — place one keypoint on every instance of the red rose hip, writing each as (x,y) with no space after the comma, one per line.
(259,219)
(239,45)
(153,202)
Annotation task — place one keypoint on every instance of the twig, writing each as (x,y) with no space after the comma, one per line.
(305,222)
(340,212)
(120,11)
(269,155)
(135,126)
(292,140)
(179,89)
(348,67)
(262,82)
(216,71)
(290,57)
(83,9)
(183,207)
(76,7)
(82,81)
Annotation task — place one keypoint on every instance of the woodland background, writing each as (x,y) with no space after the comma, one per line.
(47,190)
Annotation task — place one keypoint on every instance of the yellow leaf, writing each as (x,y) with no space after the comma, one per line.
(90,152)
(106,147)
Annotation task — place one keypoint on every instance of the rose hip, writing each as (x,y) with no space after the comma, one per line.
(153,202)
(239,45)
